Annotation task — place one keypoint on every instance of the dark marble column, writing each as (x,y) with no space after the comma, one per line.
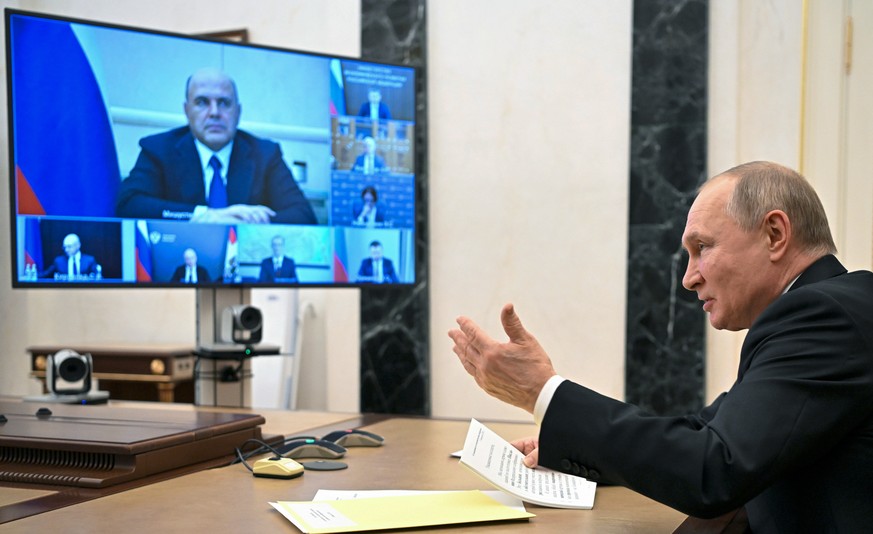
(665,324)
(395,375)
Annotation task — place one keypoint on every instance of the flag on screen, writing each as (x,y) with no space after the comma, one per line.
(337,95)
(32,243)
(340,257)
(65,159)
(143,253)
(230,264)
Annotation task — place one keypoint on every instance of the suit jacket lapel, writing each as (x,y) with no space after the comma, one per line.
(241,172)
(190,171)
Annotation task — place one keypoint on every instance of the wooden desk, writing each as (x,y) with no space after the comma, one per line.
(415,456)
(162,373)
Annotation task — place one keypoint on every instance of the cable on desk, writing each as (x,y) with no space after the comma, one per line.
(242,457)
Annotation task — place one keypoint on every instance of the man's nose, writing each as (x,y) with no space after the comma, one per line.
(692,275)
(213,107)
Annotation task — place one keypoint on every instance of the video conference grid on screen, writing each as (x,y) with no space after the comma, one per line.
(174,161)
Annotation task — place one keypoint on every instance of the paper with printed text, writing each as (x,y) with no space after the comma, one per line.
(501,464)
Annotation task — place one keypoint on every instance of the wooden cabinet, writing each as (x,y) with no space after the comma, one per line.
(148,373)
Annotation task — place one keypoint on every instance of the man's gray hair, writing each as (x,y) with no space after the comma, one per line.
(763,186)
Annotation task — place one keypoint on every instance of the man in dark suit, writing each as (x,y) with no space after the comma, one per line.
(278,266)
(369,162)
(189,272)
(73,264)
(792,441)
(377,269)
(374,108)
(209,171)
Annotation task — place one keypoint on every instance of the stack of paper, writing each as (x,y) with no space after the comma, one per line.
(414,509)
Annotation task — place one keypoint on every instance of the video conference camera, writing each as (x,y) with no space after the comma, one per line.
(68,379)
(242,324)
(68,373)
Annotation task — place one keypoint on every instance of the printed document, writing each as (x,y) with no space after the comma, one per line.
(501,464)
(405,510)
(339,495)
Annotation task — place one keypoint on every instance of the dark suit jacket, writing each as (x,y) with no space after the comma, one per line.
(167,180)
(384,112)
(366,271)
(378,163)
(269,274)
(87,266)
(179,274)
(792,440)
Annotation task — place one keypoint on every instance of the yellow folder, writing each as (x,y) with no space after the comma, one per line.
(406,511)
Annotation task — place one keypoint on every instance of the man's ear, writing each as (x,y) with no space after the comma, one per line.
(777,231)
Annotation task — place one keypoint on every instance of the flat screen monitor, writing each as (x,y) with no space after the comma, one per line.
(141,158)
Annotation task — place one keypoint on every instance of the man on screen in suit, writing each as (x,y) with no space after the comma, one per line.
(374,108)
(369,162)
(73,263)
(209,171)
(189,272)
(278,266)
(792,441)
(377,269)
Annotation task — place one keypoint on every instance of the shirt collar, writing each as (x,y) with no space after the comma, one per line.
(789,285)
(206,154)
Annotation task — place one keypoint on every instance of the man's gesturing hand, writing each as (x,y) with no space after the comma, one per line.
(513,372)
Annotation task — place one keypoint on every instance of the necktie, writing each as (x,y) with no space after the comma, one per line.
(217,191)
(189,277)
(377,272)
(277,265)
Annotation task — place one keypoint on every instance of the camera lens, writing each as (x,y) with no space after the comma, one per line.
(250,318)
(72,369)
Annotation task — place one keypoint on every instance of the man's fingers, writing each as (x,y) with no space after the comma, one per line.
(465,353)
(251,213)
(476,337)
(512,324)
(460,342)
(532,459)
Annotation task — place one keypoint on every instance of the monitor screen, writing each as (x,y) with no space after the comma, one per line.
(141,158)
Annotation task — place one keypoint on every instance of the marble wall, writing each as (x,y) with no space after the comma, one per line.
(665,348)
(665,323)
(394,321)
